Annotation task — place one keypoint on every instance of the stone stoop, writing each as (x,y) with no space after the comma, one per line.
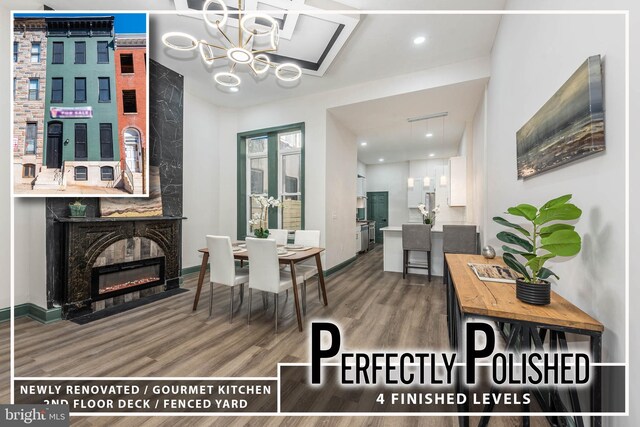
(137,183)
(49,178)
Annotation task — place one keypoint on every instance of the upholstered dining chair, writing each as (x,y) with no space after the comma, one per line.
(265,273)
(416,237)
(279,235)
(223,270)
(307,268)
(458,239)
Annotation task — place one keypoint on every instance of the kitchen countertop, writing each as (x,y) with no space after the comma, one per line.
(435,229)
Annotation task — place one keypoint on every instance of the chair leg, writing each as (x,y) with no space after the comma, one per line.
(404,264)
(304,297)
(249,310)
(231,308)
(241,293)
(429,264)
(265,301)
(210,298)
(275,317)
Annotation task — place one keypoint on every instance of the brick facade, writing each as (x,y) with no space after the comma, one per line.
(26,32)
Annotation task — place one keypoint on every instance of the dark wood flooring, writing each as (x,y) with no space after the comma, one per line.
(376,310)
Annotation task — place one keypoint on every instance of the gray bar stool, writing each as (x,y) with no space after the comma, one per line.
(459,239)
(416,237)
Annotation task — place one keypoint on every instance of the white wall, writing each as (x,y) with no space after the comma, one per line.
(341,192)
(532,57)
(391,177)
(29,251)
(478,167)
(362,169)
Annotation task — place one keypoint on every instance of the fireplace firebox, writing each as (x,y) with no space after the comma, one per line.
(118,279)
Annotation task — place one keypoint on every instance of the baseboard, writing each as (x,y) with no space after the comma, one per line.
(339,267)
(189,270)
(33,311)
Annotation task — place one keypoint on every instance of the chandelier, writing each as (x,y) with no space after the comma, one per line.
(240,53)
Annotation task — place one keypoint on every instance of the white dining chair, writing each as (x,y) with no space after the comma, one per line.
(223,270)
(279,235)
(307,268)
(265,273)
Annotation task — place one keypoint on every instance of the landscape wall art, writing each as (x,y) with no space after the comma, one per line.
(570,126)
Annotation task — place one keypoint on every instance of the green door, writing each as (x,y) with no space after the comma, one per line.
(378,211)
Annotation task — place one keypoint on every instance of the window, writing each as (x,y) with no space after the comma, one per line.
(104,85)
(34,89)
(57,89)
(106,173)
(80,141)
(80,173)
(81,53)
(126,63)
(15,51)
(81,89)
(35,52)
(103,53)
(129,101)
(272,164)
(28,170)
(57,56)
(106,141)
(31,138)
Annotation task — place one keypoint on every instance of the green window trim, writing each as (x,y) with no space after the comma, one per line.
(272,156)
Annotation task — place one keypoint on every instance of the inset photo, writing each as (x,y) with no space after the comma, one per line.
(80,104)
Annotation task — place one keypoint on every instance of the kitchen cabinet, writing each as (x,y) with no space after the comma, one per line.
(415,195)
(361,187)
(457,181)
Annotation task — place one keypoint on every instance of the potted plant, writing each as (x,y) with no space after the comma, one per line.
(428,217)
(77,209)
(259,221)
(545,238)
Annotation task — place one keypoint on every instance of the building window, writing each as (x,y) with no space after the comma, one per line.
(31,138)
(80,173)
(57,89)
(34,89)
(104,86)
(28,170)
(106,141)
(35,52)
(272,164)
(106,173)
(81,53)
(103,53)
(126,63)
(15,51)
(129,101)
(80,141)
(81,89)
(58,53)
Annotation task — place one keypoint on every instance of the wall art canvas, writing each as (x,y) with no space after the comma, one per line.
(136,206)
(570,126)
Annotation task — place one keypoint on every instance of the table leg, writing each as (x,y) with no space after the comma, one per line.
(203,269)
(321,279)
(296,299)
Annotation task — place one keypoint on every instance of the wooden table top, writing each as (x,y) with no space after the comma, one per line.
(499,299)
(296,257)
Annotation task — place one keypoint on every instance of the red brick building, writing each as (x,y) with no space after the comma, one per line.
(131,94)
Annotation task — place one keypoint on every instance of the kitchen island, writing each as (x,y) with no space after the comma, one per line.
(393,250)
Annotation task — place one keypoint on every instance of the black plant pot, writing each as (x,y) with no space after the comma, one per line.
(533,293)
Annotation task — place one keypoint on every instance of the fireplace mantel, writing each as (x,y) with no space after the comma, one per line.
(121,219)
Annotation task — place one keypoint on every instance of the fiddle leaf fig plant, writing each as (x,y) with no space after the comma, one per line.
(540,241)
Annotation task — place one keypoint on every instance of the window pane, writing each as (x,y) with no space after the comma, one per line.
(35,52)
(258,145)
(81,53)
(126,63)
(56,89)
(34,89)
(292,213)
(81,89)
(106,173)
(290,169)
(81,141)
(290,140)
(259,176)
(31,138)
(129,104)
(15,51)
(29,170)
(105,89)
(103,53)
(80,173)
(58,53)
(106,141)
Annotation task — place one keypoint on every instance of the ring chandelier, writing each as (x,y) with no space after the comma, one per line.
(238,53)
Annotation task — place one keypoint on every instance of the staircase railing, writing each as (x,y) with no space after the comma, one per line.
(129,175)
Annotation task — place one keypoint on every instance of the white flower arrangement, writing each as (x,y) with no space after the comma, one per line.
(429,217)
(258,221)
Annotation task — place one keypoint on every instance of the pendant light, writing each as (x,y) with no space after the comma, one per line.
(443,177)
(410,183)
(426,182)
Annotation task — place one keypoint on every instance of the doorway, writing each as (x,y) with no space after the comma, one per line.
(132,149)
(378,211)
(54,145)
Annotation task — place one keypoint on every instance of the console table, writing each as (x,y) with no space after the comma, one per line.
(469,297)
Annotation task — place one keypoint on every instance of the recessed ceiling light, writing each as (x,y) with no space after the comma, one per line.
(429,135)
(431,155)
(363,143)
(419,40)
(381,160)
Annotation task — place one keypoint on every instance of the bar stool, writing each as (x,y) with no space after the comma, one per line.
(416,237)
(458,239)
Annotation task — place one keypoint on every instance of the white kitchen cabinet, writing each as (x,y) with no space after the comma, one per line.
(361,187)
(358,243)
(457,181)
(415,196)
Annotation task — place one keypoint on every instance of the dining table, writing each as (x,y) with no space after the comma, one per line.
(291,257)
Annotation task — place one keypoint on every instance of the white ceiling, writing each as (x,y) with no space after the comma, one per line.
(382,123)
